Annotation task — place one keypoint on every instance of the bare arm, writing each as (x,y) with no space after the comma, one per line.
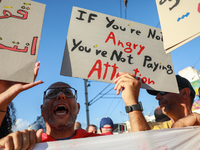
(190,120)
(9,90)
(130,92)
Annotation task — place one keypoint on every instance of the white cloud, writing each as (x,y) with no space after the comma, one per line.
(21,125)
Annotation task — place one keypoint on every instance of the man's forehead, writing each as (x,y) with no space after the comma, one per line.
(92,127)
(59,85)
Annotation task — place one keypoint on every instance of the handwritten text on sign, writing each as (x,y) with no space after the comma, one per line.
(177,17)
(21,25)
(100,46)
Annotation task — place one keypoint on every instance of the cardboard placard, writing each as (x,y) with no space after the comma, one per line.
(100,46)
(20,31)
(179,22)
(163,139)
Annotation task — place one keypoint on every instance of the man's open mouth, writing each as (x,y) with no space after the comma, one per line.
(61,110)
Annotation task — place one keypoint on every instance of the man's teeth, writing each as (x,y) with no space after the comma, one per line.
(58,113)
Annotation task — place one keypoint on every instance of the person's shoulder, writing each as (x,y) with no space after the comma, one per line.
(81,133)
(107,133)
(47,138)
(160,125)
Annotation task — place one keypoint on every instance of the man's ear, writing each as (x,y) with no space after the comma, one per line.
(186,93)
(41,106)
(78,107)
(100,129)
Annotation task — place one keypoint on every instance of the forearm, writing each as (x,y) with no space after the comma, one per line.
(137,121)
(7,96)
(2,115)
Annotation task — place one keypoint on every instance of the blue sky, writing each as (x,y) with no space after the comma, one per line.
(51,50)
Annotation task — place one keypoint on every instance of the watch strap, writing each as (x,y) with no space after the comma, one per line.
(134,107)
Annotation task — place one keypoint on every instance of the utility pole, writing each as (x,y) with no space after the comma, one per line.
(86,102)
(125,4)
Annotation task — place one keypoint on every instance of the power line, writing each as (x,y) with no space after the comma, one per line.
(100,92)
(115,107)
(93,101)
(120,8)
(158,24)
(196,62)
(109,107)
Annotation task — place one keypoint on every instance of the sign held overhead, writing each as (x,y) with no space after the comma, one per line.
(100,46)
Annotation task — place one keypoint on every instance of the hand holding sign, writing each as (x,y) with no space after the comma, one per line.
(9,90)
(129,87)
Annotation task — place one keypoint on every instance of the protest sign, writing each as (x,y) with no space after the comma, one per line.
(20,31)
(179,22)
(164,139)
(100,46)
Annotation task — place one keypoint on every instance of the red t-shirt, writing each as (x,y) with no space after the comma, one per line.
(80,133)
(107,133)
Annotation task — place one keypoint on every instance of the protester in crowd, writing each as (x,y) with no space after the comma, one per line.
(175,106)
(190,120)
(16,140)
(91,128)
(77,125)
(60,110)
(106,126)
(159,116)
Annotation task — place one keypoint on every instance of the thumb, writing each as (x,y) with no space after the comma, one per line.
(39,135)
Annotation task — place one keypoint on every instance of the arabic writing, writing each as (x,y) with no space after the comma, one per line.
(16,49)
(33,48)
(8,14)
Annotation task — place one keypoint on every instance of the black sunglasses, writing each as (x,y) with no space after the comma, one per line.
(164,93)
(53,92)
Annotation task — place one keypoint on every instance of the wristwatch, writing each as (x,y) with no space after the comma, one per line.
(134,107)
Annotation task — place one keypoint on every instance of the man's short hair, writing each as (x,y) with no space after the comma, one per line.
(92,126)
(77,125)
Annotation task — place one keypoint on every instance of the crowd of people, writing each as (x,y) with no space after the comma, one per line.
(60,109)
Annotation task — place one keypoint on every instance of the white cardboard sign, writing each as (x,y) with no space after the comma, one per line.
(164,139)
(100,46)
(179,21)
(20,31)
